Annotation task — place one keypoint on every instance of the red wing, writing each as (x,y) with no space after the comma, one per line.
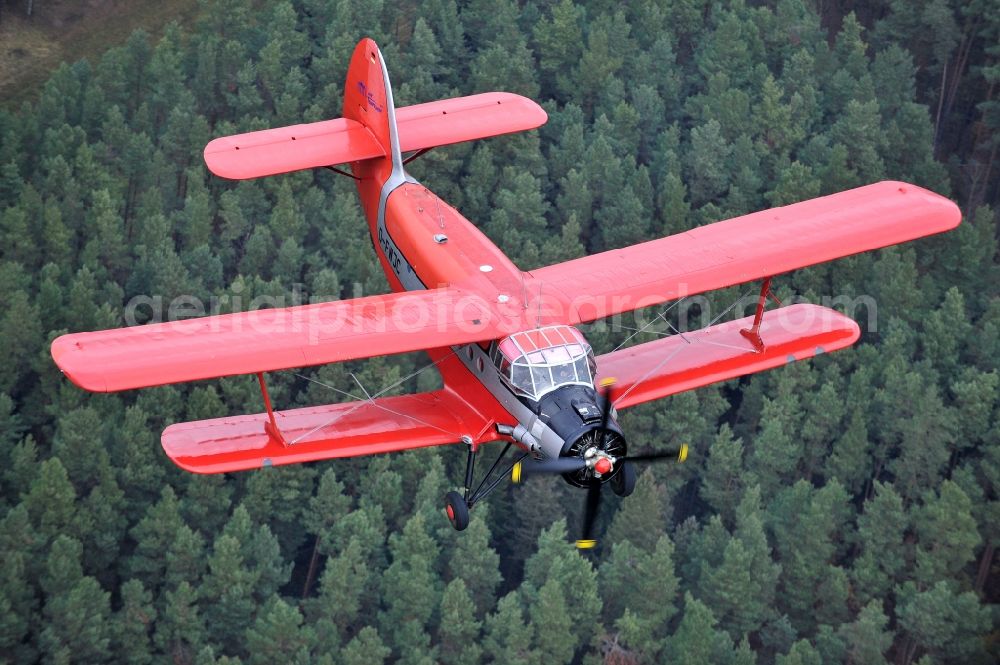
(382,425)
(330,142)
(678,363)
(273,339)
(743,249)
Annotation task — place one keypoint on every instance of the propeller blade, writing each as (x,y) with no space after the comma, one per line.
(590,516)
(606,394)
(678,455)
(554,466)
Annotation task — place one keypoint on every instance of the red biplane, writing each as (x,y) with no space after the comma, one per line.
(514,367)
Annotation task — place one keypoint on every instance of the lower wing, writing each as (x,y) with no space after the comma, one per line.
(381,425)
(681,362)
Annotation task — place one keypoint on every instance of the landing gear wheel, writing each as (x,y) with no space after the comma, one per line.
(457,510)
(623,482)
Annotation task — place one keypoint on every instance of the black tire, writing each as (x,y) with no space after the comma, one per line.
(623,482)
(457,510)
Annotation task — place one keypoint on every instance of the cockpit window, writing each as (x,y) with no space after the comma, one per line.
(535,362)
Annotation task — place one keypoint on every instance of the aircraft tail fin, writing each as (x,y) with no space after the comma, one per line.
(368,97)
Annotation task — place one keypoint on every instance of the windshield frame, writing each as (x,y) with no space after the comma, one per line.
(531,369)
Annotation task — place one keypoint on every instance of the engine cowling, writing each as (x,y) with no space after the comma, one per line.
(575,413)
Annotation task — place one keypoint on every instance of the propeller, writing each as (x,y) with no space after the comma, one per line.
(561,465)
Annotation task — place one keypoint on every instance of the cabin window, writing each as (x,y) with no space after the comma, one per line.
(536,362)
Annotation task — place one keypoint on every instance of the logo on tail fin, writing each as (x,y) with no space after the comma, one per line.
(363,89)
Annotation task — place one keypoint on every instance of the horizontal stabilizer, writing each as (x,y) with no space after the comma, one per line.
(340,141)
(382,425)
(273,339)
(285,149)
(458,119)
(678,363)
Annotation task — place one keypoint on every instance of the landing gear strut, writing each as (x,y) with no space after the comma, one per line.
(457,506)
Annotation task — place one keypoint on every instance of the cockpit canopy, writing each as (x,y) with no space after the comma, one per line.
(535,362)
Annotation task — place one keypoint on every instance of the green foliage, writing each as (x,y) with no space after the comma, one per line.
(843,510)
(459,630)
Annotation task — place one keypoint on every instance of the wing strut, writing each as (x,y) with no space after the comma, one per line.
(753,332)
(271,426)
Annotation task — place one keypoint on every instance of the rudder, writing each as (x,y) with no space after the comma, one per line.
(368,96)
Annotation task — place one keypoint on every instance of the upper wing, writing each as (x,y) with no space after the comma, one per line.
(743,249)
(385,424)
(330,142)
(273,339)
(684,362)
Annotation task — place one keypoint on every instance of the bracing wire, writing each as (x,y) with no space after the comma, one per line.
(678,349)
(371,397)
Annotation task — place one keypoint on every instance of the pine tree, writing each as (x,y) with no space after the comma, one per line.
(135,619)
(850,462)
(650,598)
(458,633)
(276,502)
(554,558)
(20,329)
(477,564)
(741,588)
(553,641)
(345,578)
(776,451)
(18,604)
(153,536)
(602,57)
(867,638)
(806,524)
(722,481)
(77,611)
(410,586)
(278,635)
(326,508)
(102,522)
(185,558)
(947,536)
(696,641)
(801,653)
(506,635)
(881,529)
(260,552)
(643,516)
(942,622)
(50,502)
(365,648)
(227,592)
(181,631)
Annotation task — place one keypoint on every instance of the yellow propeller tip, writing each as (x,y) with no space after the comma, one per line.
(609,381)
(515,473)
(683,454)
(586,544)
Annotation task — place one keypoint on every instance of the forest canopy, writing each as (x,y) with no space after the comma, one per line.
(844,510)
